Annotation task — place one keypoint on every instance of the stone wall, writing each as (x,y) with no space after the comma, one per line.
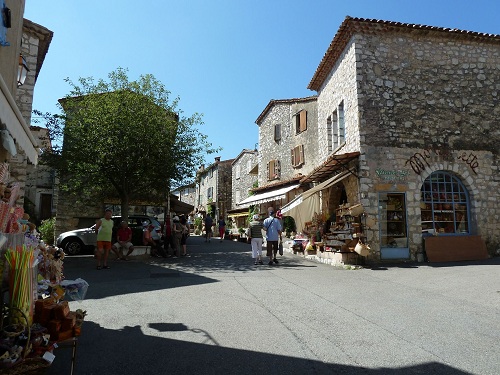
(245,162)
(340,88)
(283,112)
(217,176)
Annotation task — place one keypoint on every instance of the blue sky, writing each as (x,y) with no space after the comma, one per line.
(225,59)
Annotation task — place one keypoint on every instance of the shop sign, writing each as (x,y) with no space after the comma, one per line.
(392,175)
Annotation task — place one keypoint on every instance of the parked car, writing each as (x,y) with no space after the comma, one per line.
(77,241)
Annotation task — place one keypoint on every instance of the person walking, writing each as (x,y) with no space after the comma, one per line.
(255,235)
(104,230)
(209,223)
(168,240)
(272,226)
(177,236)
(185,235)
(222,228)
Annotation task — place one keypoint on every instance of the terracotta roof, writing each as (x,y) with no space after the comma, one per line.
(332,164)
(351,26)
(273,102)
(276,184)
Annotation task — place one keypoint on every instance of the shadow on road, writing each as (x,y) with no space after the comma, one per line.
(144,273)
(130,351)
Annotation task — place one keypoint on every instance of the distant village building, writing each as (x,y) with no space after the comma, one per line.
(214,188)
(244,179)
(288,150)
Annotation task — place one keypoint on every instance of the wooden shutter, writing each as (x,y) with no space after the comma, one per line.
(293,157)
(301,154)
(303,120)
(270,170)
(277,169)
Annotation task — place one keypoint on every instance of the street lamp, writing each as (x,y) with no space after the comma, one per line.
(22,71)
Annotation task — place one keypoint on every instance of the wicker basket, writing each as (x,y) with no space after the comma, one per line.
(30,366)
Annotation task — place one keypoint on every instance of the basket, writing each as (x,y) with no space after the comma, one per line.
(362,249)
(30,366)
(356,210)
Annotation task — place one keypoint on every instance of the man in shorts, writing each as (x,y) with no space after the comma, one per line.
(272,226)
(104,230)
(123,241)
(209,223)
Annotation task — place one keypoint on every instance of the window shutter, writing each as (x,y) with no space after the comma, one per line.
(303,120)
(271,170)
(301,155)
(277,168)
(293,157)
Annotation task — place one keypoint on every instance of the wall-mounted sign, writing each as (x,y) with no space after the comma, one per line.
(392,175)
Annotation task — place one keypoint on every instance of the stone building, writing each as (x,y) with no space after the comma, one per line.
(244,178)
(288,150)
(413,111)
(34,46)
(214,188)
(186,194)
(40,183)
(23,45)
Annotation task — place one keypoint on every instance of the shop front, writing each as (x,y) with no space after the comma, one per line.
(399,209)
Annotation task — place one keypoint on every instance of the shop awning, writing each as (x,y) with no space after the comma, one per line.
(303,207)
(326,184)
(13,120)
(267,196)
(240,214)
(332,164)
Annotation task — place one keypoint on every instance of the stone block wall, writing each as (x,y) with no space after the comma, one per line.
(245,162)
(340,87)
(283,112)
(431,104)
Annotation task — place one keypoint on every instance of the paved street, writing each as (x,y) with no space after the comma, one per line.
(216,313)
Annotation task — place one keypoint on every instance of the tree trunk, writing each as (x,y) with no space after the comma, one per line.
(125,207)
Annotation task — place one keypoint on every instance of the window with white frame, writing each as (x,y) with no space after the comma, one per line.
(273,170)
(249,165)
(297,156)
(237,195)
(210,192)
(301,121)
(335,125)
(237,171)
(341,124)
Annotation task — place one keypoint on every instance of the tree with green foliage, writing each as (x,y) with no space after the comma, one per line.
(123,139)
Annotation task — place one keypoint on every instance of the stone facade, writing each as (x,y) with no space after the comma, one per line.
(417,100)
(284,113)
(243,176)
(214,187)
(39,189)
(186,194)
(34,46)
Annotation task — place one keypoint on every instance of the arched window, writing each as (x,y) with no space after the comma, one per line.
(445,205)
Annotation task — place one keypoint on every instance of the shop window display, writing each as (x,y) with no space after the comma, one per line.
(444,205)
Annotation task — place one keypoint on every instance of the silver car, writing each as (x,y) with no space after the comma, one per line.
(76,241)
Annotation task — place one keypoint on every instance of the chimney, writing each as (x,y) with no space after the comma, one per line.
(217,159)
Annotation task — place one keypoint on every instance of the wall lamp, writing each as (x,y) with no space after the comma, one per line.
(22,71)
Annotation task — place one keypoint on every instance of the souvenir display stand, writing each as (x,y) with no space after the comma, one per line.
(33,314)
(342,241)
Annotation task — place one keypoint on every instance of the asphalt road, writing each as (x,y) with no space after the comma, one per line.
(216,313)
